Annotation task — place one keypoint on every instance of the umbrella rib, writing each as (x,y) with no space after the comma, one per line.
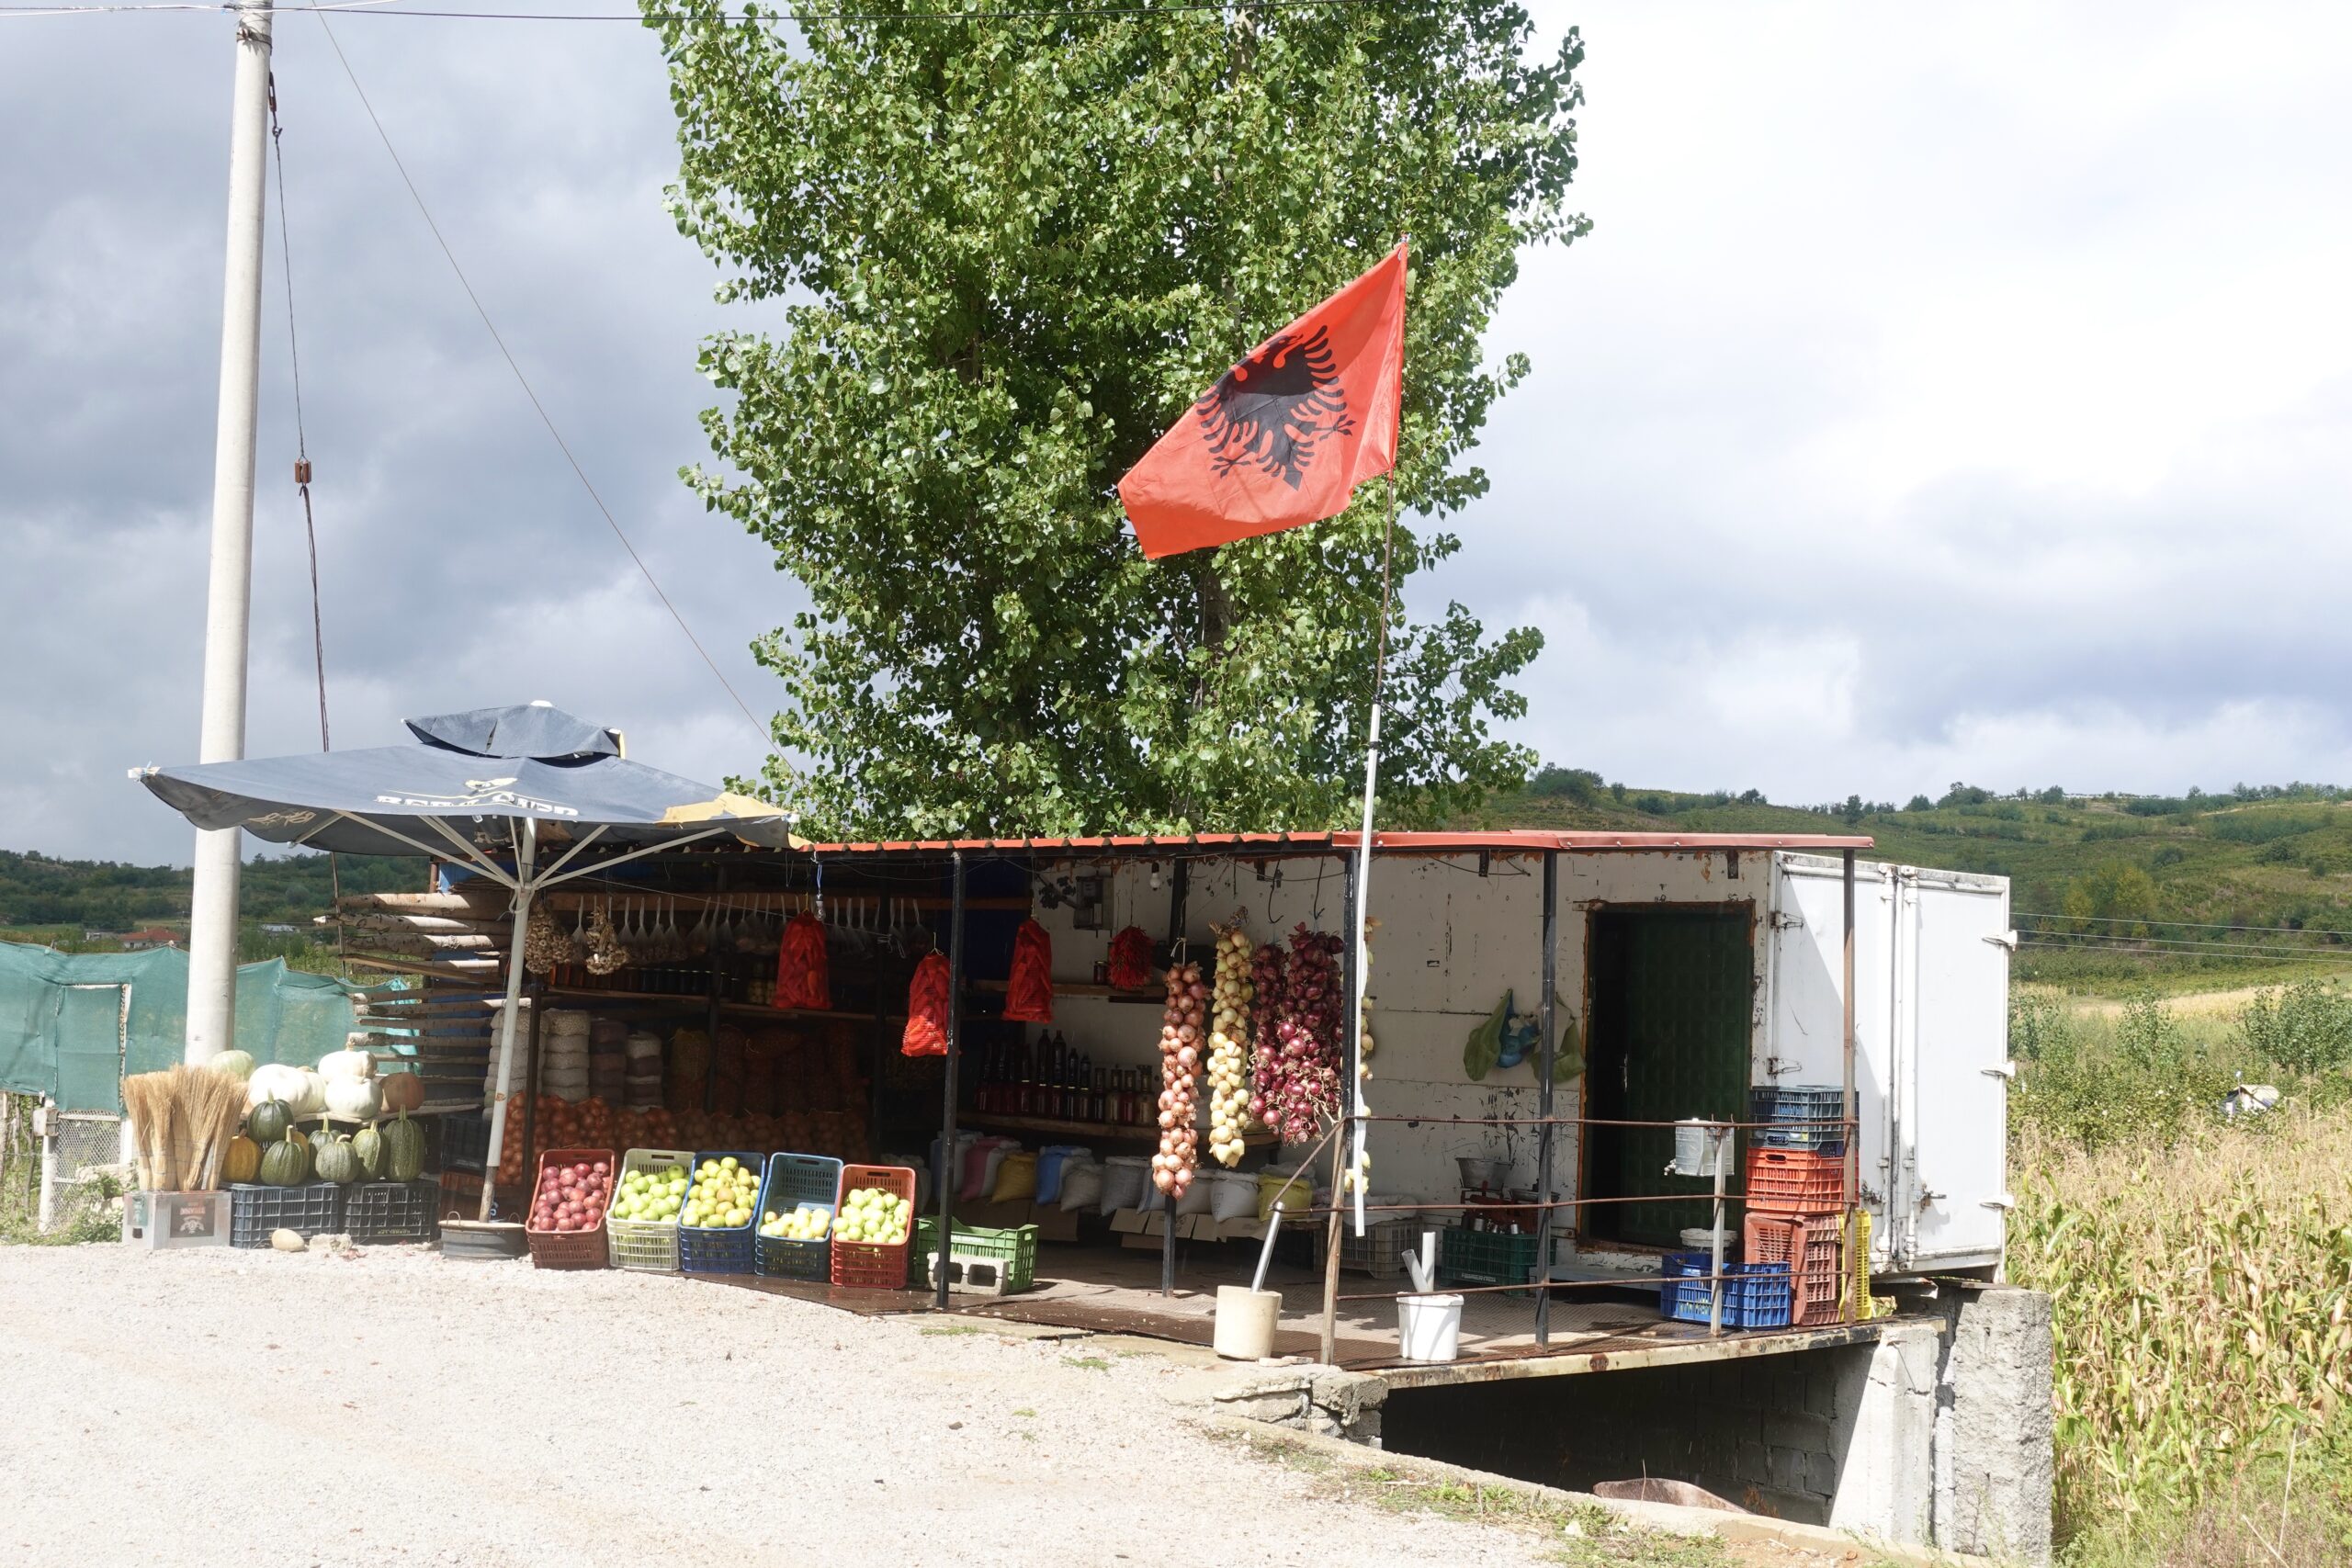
(479,861)
(565,859)
(550,879)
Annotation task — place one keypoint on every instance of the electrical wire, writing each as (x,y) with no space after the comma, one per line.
(380,8)
(2182,925)
(525,382)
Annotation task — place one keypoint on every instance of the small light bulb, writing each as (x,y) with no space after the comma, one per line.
(1155,876)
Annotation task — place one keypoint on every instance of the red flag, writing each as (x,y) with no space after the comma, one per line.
(1286,435)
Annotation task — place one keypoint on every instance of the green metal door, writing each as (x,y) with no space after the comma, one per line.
(1668,1040)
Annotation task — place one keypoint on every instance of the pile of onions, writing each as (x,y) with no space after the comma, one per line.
(1228,1065)
(1300,1037)
(1183,1027)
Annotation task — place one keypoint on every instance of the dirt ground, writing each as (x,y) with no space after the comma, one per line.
(233,1407)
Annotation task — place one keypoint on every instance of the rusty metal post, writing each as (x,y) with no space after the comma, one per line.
(1328,1342)
(1176,954)
(1852,1129)
(1550,1027)
(946,1162)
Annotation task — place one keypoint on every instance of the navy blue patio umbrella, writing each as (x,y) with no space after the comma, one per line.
(514,794)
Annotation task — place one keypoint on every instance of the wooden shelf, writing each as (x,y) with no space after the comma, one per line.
(763,1011)
(1106,1131)
(1086,988)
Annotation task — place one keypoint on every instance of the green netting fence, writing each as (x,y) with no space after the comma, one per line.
(72,1023)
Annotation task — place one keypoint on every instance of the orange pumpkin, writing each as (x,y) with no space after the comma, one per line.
(243,1162)
(402,1091)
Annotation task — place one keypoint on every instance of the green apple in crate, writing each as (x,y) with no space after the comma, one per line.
(652,1195)
(810,1222)
(724,1195)
(873,1216)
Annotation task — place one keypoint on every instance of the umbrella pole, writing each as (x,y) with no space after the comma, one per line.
(525,854)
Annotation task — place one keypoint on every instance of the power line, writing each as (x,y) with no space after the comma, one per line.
(2252,955)
(525,381)
(2168,945)
(381,8)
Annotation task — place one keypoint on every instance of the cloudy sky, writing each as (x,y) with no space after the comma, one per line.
(1940,393)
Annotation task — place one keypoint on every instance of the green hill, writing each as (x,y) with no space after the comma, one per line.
(2191,890)
(45,899)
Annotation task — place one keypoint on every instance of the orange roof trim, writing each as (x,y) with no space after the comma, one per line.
(1516,840)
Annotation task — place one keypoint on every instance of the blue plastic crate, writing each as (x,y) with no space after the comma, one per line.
(709,1249)
(1755,1295)
(1814,1115)
(792,1180)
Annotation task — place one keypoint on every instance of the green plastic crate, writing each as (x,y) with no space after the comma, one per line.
(1486,1257)
(1016,1249)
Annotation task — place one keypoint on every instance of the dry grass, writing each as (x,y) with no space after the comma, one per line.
(2203,1302)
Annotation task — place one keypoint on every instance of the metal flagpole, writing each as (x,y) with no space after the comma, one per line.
(1360,1165)
(213,910)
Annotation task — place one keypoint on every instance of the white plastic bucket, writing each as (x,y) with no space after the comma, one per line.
(1699,1144)
(1245,1322)
(1429,1329)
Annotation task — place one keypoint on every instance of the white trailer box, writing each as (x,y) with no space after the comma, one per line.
(1931,1071)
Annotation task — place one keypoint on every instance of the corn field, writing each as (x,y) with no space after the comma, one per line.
(2203,1302)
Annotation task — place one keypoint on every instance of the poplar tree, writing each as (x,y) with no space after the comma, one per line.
(1008,250)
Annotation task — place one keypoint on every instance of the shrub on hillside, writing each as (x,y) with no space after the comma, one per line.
(2305,1026)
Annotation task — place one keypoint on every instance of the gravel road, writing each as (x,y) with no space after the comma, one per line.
(233,1407)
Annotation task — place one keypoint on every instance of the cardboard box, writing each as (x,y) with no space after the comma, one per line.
(163,1221)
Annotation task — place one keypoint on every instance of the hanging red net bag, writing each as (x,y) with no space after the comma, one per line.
(802,976)
(1131,959)
(927,1009)
(1029,994)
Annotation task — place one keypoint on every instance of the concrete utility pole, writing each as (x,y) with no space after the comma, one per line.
(212,926)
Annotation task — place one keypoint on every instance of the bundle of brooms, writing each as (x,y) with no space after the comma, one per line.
(181,1122)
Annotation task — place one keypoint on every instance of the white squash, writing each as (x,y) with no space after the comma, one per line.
(278,1081)
(314,1094)
(238,1065)
(357,1098)
(347,1064)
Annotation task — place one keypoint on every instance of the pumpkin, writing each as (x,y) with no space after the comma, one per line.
(336,1160)
(268,1120)
(286,1164)
(368,1144)
(314,1094)
(346,1063)
(403,1149)
(401,1091)
(238,1065)
(243,1162)
(275,1081)
(355,1097)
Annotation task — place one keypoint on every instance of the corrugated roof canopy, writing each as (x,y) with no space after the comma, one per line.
(1513,840)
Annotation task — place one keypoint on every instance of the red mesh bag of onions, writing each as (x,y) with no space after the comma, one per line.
(1131,959)
(926,1033)
(1029,994)
(803,978)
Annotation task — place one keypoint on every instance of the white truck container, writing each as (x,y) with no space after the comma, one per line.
(1931,1070)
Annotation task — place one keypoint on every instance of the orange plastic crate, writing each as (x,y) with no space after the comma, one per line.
(568,1249)
(1795,1181)
(867,1265)
(1813,1246)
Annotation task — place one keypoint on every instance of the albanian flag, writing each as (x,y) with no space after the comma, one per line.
(1286,435)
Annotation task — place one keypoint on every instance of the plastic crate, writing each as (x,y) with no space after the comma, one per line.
(1483,1257)
(1813,1115)
(1755,1295)
(1007,1259)
(722,1249)
(1382,1249)
(567,1249)
(315,1208)
(869,1265)
(392,1210)
(1814,1249)
(651,1244)
(1795,1181)
(465,1140)
(792,1180)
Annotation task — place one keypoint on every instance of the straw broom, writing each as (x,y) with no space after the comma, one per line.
(149,1100)
(211,1106)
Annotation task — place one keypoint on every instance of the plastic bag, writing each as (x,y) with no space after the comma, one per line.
(1131,960)
(926,1033)
(1485,1045)
(1015,1178)
(803,975)
(1029,994)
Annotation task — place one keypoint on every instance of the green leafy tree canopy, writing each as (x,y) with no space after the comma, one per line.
(1010,252)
